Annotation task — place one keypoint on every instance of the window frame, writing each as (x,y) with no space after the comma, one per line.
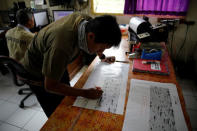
(95,13)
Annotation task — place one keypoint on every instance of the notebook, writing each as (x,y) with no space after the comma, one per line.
(154,67)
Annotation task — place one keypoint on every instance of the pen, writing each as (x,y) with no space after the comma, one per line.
(122,61)
(99,101)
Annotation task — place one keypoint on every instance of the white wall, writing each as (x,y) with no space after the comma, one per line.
(190,46)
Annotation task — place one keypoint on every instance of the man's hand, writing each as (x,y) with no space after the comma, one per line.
(109,59)
(54,86)
(93,93)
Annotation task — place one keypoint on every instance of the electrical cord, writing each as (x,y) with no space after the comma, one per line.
(172,40)
(183,41)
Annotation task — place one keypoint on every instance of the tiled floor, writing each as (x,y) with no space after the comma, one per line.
(13,118)
(189,89)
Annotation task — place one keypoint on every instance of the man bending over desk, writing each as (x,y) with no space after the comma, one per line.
(57,45)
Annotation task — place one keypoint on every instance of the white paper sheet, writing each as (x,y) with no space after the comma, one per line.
(153,106)
(112,78)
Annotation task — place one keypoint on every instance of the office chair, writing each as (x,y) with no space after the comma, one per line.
(3,49)
(20,77)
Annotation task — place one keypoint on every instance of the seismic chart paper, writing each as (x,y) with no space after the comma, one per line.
(112,78)
(153,106)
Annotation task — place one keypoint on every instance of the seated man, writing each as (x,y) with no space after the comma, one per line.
(19,38)
(57,45)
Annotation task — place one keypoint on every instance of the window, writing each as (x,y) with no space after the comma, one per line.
(108,6)
(141,7)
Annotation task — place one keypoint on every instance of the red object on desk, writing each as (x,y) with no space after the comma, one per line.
(154,68)
(135,47)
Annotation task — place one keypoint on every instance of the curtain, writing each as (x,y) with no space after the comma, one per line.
(157,7)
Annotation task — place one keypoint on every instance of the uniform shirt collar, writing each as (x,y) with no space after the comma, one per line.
(24,27)
(82,42)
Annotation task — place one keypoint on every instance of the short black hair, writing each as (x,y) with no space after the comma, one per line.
(106,30)
(23,16)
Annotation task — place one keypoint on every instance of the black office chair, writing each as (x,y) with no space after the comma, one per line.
(20,77)
(3,49)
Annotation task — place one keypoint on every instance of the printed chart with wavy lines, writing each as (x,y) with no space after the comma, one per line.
(153,106)
(112,78)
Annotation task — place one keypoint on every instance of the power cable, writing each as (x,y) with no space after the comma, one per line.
(172,39)
(183,41)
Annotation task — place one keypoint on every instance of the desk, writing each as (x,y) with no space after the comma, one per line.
(68,118)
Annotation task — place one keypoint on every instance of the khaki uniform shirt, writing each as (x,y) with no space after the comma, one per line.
(18,39)
(54,47)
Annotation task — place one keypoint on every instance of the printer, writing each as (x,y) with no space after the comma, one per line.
(140,30)
(145,38)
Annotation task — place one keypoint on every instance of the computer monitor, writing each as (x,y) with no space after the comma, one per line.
(21,5)
(4,16)
(41,18)
(57,14)
(1,31)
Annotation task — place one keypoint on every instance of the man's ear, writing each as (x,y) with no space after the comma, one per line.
(29,24)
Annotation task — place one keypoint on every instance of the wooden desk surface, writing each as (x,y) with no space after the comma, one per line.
(67,117)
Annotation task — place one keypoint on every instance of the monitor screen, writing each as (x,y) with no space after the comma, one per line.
(1,31)
(41,18)
(57,14)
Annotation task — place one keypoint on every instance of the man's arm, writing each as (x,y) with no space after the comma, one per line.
(56,87)
(109,59)
(101,56)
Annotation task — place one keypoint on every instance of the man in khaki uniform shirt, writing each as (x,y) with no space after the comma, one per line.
(57,45)
(19,38)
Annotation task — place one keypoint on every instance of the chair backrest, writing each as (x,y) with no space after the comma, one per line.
(18,71)
(3,44)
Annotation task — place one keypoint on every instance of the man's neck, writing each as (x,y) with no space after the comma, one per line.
(24,27)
